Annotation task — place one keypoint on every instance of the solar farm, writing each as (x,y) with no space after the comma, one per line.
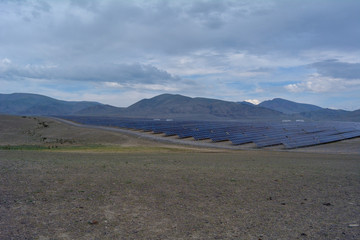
(291,135)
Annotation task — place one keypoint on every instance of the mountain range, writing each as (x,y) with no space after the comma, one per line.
(173,106)
(34,104)
(288,107)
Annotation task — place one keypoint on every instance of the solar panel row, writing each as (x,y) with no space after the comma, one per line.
(263,134)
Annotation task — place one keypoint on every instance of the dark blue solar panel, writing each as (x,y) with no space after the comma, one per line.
(263,134)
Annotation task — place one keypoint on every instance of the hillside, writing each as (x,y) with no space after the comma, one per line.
(164,106)
(34,104)
(331,114)
(100,110)
(46,132)
(168,105)
(288,107)
(173,106)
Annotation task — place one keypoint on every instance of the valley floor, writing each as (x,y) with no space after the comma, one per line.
(178,195)
(59,181)
(16,131)
(252,195)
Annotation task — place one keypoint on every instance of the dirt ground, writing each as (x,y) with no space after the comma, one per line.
(247,195)
(62,182)
(15,130)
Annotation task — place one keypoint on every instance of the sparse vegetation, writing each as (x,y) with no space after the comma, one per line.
(23,147)
(178,195)
(106,185)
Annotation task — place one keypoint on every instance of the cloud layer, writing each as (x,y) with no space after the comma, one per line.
(120,73)
(336,69)
(234,50)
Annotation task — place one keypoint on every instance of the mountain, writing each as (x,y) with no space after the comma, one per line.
(309,111)
(331,114)
(171,106)
(34,104)
(101,110)
(288,107)
(174,106)
(247,103)
(355,116)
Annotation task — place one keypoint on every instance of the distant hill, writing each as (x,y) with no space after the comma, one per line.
(173,106)
(288,107)
(168,105)
(34,104)
(331,114)
(101,110)
(247,103)
(354,116)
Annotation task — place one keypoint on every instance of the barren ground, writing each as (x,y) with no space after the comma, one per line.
(92,184)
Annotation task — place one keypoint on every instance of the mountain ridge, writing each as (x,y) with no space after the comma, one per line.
(168,105)
(36,104)
(289,107)
(173,106)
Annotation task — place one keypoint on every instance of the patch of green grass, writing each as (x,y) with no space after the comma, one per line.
(93,148)
(23,147)
(117,149)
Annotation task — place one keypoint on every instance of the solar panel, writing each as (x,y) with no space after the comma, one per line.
(263,134)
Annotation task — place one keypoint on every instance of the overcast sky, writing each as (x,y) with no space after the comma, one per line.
(118,52)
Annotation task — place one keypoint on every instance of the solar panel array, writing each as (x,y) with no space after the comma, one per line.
(263,134)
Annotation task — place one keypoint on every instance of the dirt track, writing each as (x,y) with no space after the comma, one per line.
(153,137)
(57,132)
(350,146)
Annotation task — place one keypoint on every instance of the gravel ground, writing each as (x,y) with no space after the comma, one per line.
(247,195)
(88,183)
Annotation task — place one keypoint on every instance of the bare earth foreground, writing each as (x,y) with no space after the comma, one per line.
(63,182)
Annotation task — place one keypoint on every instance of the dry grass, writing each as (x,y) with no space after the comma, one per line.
(39,133)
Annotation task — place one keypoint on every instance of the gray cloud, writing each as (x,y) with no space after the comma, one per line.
(332,76)
(125,29)
(261,70)
(336,69)
(120,73)
(211,43)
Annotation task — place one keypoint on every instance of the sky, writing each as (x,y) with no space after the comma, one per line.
(118,52)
